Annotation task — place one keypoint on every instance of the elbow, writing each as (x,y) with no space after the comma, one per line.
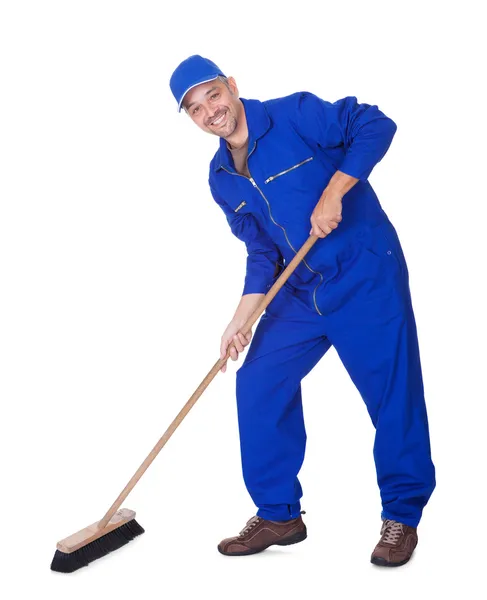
(392,127)
(387,132)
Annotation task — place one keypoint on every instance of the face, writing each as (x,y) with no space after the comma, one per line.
(214,107)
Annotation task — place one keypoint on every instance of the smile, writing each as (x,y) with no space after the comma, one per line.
(220,119)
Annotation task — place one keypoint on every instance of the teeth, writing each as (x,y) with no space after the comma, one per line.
(219,120)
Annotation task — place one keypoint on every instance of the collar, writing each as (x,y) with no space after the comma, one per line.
(258,123)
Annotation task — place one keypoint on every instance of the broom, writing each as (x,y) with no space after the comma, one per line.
(118,527)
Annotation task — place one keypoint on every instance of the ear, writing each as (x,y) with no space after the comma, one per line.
(233,86)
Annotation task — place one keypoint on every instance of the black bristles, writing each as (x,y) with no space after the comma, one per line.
(68,562)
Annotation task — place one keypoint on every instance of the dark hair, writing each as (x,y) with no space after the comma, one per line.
(224,80)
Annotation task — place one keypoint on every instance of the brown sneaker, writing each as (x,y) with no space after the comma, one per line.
(396,544)
(259,534)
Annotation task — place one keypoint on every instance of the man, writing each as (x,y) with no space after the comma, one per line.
(286,168)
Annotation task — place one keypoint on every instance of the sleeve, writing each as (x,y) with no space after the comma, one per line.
(364,131)
(263,256)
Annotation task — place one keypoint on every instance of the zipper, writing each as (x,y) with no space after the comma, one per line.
(290,245)
(252,181)
(287,170)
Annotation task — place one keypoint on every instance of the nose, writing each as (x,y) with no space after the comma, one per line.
(215,112)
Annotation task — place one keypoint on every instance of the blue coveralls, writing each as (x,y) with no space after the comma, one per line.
(351,292)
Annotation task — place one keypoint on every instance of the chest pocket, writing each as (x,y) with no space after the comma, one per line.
(288,170)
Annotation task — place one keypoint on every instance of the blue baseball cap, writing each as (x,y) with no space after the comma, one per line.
(190,73)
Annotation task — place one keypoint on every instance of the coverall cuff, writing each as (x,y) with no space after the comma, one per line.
(409,521)
(279,512)
(351,167)
(256,287)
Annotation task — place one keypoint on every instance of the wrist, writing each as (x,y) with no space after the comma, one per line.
(248,303)
(340,184)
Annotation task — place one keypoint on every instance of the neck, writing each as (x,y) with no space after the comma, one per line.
(241,133)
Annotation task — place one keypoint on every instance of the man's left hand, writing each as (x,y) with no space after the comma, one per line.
(327,214)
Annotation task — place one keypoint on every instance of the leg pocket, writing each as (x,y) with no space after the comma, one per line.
(383,243)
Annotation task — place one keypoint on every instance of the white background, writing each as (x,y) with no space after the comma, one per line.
(118,275)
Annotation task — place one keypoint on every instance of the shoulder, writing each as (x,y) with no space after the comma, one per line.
(300,104)
(284,104)
(214,163)
(215,160)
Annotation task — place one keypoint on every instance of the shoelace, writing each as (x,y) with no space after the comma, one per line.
(254,521)
(391,531)
(250,523)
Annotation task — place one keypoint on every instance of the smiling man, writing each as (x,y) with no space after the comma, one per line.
(286,168)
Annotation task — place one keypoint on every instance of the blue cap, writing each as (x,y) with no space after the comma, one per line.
(190,73)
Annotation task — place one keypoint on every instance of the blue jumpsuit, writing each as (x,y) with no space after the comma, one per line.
(352,292)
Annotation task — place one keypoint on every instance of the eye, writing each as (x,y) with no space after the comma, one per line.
(215,95)
(195,110)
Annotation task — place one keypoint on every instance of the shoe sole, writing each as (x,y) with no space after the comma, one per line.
(382,562)
(294,539)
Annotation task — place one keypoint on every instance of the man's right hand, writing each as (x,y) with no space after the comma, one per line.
(248,304)
(233,334)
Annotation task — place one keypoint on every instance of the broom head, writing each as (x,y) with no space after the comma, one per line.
(92,543)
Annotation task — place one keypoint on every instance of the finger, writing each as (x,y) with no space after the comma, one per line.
(223,349)
(323,224)
(243,340)
(238,343)
(315,230)
(224,366)
(233,353)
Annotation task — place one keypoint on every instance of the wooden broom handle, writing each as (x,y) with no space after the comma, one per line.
(207,380)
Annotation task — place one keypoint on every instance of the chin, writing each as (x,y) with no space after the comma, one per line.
(231,127)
